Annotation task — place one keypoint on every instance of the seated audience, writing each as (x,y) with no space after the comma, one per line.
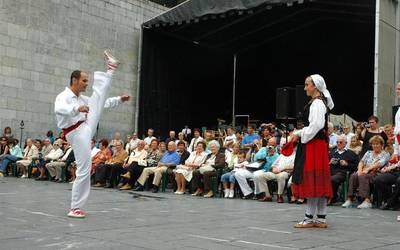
(342,160)
(196,139)
(4,150)
(55,154)
(347,132)
(372,161)
(230,139)
(214,161)
(102,156)
(103,171)
(171,137)
(30,152)
(117,138)
(7,133)
(162,147)
(369,131)
(355,145)
(332,136)
(150,136)
(131,168)
(181,138)
(133,143)
(169,160)
(247,141)
(184,172)
(389,176)
(14,155)
(281,170)
(228,179)
(55,167)
(262,159)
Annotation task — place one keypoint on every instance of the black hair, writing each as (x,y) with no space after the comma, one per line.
(76,74)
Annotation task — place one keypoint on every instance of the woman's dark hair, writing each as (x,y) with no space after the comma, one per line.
(196,129)
(372,117)
(104,142)
(181,143)
(202,143)
(49,133)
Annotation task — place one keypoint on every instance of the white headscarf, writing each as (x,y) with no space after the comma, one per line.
(321,86)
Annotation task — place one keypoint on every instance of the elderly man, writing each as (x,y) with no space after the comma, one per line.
(341,161)
(266,156)
(55,167)
(281,169)
(103,170)
(348,134)
(30,152)
(53,155)
(169,160)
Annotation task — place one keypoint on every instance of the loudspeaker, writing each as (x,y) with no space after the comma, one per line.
(301,101)
(394,111)
(285,103)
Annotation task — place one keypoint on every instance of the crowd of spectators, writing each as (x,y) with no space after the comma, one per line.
(228,162)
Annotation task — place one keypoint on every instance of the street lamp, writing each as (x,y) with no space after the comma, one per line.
(21,126)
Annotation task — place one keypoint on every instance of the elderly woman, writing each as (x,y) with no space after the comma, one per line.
(214,161)
(372,161)
(136,159)
(184,172)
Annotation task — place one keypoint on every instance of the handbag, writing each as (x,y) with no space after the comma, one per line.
(206,168)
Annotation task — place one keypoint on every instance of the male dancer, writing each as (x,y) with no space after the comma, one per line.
(78,115)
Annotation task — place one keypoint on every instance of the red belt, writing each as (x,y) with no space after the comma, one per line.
(69,129)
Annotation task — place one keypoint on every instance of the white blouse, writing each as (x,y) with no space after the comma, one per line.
(396,132)
(316,119)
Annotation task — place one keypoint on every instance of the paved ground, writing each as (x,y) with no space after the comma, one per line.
(34,217)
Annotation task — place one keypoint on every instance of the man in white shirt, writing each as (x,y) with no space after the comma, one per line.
(348,134)
(150,136)
(187,132)
(230,139)
(78,116)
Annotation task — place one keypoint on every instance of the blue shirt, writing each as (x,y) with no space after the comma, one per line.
(16,151)
(263,155)
(170,157)
(248,139)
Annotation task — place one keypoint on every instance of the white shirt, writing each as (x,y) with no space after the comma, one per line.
(230,138)
(316,119)
(94,152)
(349,136)
(148,140)
(55,154)
(284,162)
(193,143)
(133,144)
(65,156)
(67,104)
(186,131)
(396,132)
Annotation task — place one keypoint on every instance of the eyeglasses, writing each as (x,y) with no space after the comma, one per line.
(338,142)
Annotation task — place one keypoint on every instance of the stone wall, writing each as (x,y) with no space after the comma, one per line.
(43,41)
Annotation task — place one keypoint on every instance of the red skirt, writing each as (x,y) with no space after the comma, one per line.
(316,180)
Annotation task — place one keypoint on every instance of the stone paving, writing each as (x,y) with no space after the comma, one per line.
(34,217)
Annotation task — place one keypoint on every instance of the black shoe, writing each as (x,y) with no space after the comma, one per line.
(248,197)
(155,189)
(387,206)
(109,186)
(139,188)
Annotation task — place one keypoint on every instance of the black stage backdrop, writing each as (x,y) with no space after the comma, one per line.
(187,66)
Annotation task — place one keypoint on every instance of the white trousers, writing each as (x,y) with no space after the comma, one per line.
(241,176)
(261,179)
(80,139)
